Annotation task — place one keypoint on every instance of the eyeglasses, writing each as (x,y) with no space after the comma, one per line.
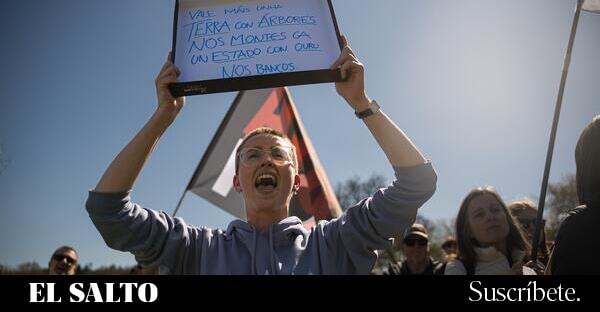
(411,242)
(530,223)
(59,258)
(252,156)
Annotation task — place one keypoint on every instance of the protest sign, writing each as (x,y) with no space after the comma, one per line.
(230,45)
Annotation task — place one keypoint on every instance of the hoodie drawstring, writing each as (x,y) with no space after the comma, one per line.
(271,251)
(253,254)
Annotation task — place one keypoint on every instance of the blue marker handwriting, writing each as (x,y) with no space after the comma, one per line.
(306,47)
(237,10)
(262,69)
(198,58)
(237,40)
(269,20)
(235,70)
(236,55)
(201,14)
(276,49)
(274,6)
(207,27)
(206,43)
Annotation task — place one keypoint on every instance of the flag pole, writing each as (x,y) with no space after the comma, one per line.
(563,80)
(179,203)
(210,147)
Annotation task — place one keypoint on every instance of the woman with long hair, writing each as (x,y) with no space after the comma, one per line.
(489,241)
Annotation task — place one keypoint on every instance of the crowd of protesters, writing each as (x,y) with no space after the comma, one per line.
(494,238)
(490,237)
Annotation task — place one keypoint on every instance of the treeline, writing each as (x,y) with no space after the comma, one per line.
(33,268)
(562,197)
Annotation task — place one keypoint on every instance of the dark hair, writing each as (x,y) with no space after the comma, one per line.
(61,248)
(587,160)
(465,244)
(263,131)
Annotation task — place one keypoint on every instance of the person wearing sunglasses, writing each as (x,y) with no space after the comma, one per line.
(489,241)
(266,176)
(449,248)
(415,247)
(525,212)
(63,261)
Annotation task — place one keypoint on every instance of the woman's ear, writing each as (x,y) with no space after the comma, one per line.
(236,184)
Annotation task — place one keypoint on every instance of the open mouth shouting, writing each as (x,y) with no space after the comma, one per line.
(265,182)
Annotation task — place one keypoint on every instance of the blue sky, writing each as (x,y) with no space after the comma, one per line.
(472,82)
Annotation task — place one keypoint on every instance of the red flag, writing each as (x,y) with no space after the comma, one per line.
(250,110)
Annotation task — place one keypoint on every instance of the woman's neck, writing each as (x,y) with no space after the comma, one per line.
(501,247)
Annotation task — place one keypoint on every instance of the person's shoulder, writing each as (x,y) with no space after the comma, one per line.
(439,267)
(578,216)
(528,271)
(583,212)
(579,211)
(455,267)
(395,268)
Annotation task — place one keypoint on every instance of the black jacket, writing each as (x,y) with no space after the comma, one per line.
(577,247)
(401,268)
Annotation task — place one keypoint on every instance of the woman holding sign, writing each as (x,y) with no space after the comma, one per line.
(270,242)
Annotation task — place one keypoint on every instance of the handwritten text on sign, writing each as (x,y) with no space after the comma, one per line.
(254,38)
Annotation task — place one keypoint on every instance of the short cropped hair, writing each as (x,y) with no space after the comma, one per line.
(61,248)
(269,132)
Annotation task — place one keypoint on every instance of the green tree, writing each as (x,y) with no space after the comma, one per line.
(562,197)
(353,190)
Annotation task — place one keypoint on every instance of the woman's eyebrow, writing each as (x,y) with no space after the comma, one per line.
(476,210)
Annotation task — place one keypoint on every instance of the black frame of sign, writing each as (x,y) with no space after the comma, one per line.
(255,81)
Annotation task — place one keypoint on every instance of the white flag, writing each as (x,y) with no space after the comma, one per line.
(591,6)
(212,180)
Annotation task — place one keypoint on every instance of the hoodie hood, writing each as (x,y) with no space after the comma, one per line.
(281,243)
(288,226)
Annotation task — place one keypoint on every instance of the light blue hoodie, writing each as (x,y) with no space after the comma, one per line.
(340,246)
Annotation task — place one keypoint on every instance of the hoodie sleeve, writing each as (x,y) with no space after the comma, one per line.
(154,238)
(369,225)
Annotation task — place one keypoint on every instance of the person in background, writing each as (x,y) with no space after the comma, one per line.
(63,261)
(525,212)
(489,241)
(577,245)
(449,248)
(415,247)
